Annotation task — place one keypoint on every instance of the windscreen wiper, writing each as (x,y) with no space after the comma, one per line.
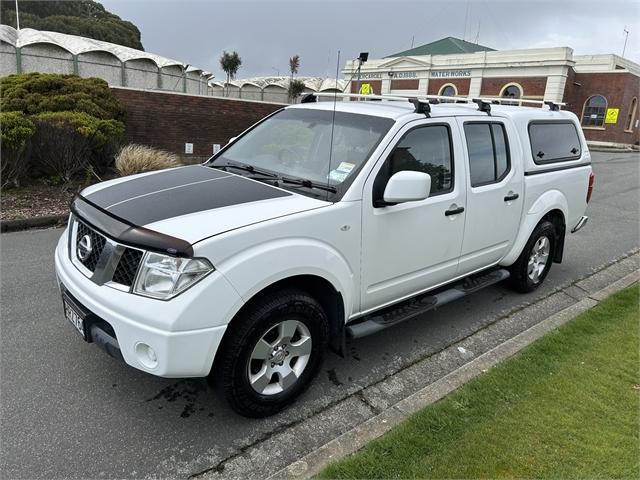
(309,184)
(248,168)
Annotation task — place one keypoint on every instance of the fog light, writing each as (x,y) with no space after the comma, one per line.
(146,355)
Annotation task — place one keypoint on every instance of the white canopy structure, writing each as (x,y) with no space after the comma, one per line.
(29,50)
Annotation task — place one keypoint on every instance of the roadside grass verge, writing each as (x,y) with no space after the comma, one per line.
(567,406)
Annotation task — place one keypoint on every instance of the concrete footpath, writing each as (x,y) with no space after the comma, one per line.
(381,406)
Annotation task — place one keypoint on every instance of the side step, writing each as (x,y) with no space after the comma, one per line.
(413,307)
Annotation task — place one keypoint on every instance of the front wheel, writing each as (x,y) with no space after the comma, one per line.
(533,264)
(272,352)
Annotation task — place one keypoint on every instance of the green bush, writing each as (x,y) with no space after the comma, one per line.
(16,131)
(67,143)
(78,122)
(34,93)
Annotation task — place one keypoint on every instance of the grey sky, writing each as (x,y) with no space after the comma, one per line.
(267,33)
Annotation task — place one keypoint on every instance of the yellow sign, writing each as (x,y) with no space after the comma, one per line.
(365,89)
(612,115)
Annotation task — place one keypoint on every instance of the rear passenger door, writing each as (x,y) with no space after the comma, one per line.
(494,192)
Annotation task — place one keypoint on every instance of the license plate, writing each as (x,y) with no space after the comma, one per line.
(74,315)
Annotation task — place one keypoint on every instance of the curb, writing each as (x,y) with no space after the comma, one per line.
(36,222)
(356,438)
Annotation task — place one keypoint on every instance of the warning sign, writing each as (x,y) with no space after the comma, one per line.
(365,89)
(612,115)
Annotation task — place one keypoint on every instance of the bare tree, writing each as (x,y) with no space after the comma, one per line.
(230,63)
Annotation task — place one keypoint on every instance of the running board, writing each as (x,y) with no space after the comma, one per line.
(413,307)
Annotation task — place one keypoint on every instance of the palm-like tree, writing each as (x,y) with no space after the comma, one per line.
(230,63)
(294,65)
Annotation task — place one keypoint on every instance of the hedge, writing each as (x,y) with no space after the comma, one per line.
(62,125)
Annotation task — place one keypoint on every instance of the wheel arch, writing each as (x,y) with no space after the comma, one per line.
(551,206)
(319,288)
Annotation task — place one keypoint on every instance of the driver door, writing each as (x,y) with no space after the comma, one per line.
(411,247)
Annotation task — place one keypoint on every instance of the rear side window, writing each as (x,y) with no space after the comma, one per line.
(554,142)
(488,152)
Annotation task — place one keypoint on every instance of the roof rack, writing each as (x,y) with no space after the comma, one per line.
(484,103)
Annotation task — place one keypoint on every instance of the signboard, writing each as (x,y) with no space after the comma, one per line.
(216,148)
(370,75)
(188,148)
(403,74)
(365,89)
(612,115)
(450,73)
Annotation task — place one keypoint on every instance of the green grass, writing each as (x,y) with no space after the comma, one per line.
(567,406)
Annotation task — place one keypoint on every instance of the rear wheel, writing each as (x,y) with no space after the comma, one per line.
(272,352)
(533,264)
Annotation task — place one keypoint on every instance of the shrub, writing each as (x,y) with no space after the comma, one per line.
(295,89)
(16,131)
(67,143)
(134,159)
(35,93)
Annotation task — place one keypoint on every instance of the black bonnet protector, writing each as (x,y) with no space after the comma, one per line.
(121,211)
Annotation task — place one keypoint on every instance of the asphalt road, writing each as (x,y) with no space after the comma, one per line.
(68,410)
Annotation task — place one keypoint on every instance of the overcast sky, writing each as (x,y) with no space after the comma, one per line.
(267,33)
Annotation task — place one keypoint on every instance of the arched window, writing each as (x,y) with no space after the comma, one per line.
(631,117)
(594,111)
(448,90)
(511,90)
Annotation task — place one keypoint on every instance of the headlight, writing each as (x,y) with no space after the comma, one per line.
(162,276)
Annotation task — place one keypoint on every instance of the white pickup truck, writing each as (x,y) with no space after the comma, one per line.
(323,222)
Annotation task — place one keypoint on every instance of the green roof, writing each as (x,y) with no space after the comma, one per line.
(445,46)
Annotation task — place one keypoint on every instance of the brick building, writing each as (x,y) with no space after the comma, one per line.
(602,90)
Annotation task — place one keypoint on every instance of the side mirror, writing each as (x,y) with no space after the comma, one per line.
(407,186)
(231,140)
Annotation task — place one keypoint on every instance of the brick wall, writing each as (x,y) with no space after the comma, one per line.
(169,120)
(531,86)
(618,88)
(462,84)
(405,84)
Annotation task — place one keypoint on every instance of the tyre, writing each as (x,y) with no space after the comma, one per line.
(533,264)
(272,352)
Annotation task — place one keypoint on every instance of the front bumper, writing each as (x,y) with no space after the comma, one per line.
(183,332)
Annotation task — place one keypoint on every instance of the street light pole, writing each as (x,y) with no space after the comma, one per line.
(623,48)
(17,16)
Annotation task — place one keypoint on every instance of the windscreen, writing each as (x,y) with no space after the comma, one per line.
(298,143)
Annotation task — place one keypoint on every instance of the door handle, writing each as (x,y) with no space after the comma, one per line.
(511,196)
(454,211)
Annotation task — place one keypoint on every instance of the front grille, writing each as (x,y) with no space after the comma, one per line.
(97,243)
(127,267)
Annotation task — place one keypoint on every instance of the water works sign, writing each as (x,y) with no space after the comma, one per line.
(450,73)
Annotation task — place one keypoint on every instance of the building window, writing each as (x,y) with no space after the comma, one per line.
(594,111)
(448,90)
(632,115)
(511,90)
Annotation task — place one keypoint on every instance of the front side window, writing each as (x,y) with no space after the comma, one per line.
(308,144)
(488,149)
(424,149)
(594,111)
